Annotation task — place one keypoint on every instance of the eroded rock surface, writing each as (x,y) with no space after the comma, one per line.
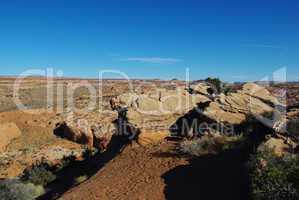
(159,111)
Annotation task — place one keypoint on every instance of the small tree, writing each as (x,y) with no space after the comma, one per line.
(216,82)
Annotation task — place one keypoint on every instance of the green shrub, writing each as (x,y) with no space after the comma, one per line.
(274,178)
(39,175)
(14,189)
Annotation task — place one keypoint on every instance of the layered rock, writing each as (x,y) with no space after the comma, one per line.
(153,113)
(259,92)
(159,111)
(251,101)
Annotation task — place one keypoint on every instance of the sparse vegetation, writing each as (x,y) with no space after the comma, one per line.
(39,174)
(66,161)
(210,145)
(274,178)
(14,189)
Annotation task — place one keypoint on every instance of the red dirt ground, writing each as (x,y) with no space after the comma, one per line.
(134,174)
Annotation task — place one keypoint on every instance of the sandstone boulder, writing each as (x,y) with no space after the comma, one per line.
(202,88)
(8,132)
(81,135)
(216,112)
(259,92)
(234,108)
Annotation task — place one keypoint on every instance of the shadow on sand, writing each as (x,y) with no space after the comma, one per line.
(210,177)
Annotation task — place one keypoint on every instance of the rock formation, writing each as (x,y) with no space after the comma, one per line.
(159,111)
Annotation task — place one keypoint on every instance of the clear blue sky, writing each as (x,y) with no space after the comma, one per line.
(233,40)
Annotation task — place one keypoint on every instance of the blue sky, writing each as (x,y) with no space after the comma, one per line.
(232,40)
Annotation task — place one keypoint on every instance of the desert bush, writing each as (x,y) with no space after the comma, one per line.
(273,177)
(39,174)
(66,161)
(198,147)
(14,189)
(216,82)
(228,88)
(210,145)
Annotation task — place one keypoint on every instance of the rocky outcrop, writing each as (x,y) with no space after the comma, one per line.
(252,101)
(259,92)
(159,111)
(8,132)
(92,136)
(202,88)
(153,113)
(160,102)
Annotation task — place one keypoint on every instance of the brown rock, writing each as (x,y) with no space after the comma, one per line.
(8,132)
(81,135)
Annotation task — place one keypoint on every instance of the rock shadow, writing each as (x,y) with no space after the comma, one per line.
(210,177)
(88,167)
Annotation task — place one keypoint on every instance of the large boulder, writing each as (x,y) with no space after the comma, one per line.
(155,112)
(202,88)
(217,113)
(97,136)
(259,92)
(158,109)
(8,132)
(81,135)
